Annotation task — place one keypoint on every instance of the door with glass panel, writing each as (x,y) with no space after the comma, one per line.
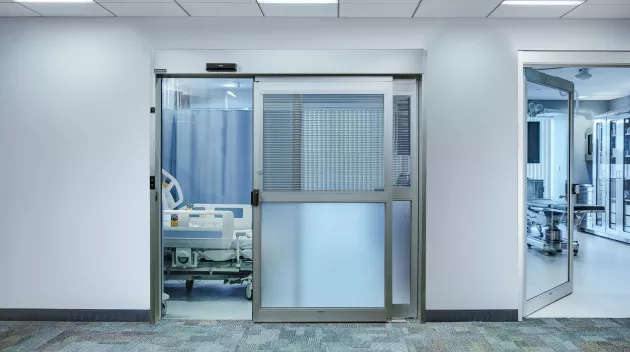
(405,206)
(549,204)
(322,199)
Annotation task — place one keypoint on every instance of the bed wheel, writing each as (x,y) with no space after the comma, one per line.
(575,252)
(249,291)
(189,285)
(529,245)
(163,309)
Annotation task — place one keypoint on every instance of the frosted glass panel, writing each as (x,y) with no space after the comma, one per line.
(401,252)
(323,255)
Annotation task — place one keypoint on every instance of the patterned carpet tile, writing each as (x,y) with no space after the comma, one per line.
(241,336)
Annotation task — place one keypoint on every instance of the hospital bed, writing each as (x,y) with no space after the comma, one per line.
(205,241)
(549,219)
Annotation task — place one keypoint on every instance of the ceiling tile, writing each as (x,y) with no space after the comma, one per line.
(221,9)
(456,8)
(415,2)
(224,1)
(376,10)
(131,1)
(517,11)
(608,2)
(73,9)
(140,9)
(300,10)
(600,11)
(14,10)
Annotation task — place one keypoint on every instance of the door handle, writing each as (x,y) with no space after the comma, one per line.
(255,198)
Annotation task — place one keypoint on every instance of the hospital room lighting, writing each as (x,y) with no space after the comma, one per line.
(543,2)
(230,85)
(55,1)
(298,1)
(582,97)
(232,94)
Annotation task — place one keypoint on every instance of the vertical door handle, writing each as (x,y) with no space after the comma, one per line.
(255,198)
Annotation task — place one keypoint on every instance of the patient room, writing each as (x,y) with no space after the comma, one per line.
(206,159)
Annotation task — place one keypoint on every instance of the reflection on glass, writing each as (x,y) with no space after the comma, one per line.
(612,200)
(600,188)
(401,252)
(323,255)
(547,258)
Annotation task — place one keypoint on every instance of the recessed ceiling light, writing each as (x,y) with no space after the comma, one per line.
(582,97)
(230,85)
(544,2)
(298,1)
(55,1)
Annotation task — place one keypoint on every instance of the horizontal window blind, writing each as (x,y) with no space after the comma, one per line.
(323,142)
(401,162)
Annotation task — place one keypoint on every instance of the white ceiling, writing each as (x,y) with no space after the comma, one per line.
(606,84)
(345,8)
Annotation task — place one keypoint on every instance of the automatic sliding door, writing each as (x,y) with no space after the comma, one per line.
(326,199)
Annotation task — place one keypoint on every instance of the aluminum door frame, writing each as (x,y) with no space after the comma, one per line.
(322,85)
(544,299)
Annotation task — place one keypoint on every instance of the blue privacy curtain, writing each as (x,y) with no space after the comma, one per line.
(210,153)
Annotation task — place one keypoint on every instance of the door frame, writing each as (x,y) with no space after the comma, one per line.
(399,63)
(556,58)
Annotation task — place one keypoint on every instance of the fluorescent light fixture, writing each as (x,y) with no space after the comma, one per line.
(298,1)
(543,2)
(230,85)
(232,94)
(582,97)
(55,1)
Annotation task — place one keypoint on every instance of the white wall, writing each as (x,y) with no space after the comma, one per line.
(75,131)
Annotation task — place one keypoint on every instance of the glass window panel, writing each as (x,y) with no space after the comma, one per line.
(323,142)
(547,258)
(207,139)
(401,252)
(323,255)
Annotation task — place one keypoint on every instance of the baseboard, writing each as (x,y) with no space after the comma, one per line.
(496,315)
(125,315)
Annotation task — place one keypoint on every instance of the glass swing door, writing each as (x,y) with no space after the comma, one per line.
(549,251)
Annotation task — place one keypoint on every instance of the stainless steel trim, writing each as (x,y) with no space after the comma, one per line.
(422,187)
(290,315)
(324,197)
(156,205)
(546,298)
(548,80)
